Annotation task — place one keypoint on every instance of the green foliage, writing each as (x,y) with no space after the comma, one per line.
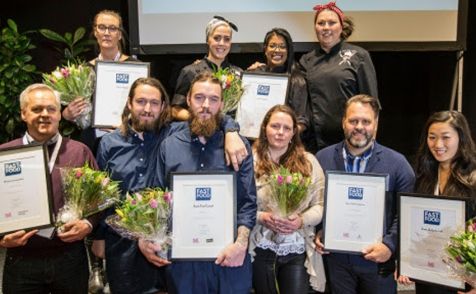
(16,73)
(71,45)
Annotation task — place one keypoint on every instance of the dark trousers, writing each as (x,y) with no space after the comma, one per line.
(274,274)
(63,273)
(128,271)
(351,274)
(205,277)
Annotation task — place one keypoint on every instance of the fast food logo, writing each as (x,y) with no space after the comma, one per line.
(432,217)
(355,193)
(203,194)
(12,168)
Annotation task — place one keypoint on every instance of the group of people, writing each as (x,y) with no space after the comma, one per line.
(332,100)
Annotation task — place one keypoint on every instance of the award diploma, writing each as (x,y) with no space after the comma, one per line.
(203,214)
(261,92)
(426,224)
(25,201)
(113,82)
(354,207)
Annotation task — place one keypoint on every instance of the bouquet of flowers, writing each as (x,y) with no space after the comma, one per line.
(461,253)
(73,81)
(87,191)
(288,190)
(232,88)
(144,214)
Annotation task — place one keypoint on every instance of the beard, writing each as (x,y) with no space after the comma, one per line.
(205,128)
(368,137)
(142,126)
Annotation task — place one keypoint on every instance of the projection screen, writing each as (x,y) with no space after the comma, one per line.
(178,26)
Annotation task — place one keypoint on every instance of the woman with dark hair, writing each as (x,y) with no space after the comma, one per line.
(446,165)
(288,266)
(279,54)
(335,71)
(218,34)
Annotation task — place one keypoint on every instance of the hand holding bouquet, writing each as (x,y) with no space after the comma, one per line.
(461,253)
(87,191)
(73,81)
(232,88)
(144,215)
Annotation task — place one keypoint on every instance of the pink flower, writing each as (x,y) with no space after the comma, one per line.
(78,174)
(153,203)
(280,179)
(65,72)
(105,182)
(138,197)
(167,197)
(134,202)
(289,179)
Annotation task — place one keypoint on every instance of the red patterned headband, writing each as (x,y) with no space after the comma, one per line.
(330,6)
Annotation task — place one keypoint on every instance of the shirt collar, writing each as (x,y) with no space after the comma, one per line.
(51,141)
(333,50)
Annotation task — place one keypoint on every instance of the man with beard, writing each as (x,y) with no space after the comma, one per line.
(126,154)
(199,147)
(36,264)
(371,272)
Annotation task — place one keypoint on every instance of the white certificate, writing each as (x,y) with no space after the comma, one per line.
(113,81)
(261,92)
(426,224)
(204,214)
(25,201)
(354,206)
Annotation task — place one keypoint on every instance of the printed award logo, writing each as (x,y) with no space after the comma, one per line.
(431,217)
(263,90)
(203,194)
(122,78)
(355,193)
(12,168)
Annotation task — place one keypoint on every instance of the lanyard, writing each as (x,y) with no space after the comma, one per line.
(54,155)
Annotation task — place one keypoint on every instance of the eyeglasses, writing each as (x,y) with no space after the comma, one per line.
(274,46)
(103,28)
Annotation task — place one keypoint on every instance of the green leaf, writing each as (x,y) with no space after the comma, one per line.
(12,25)
(78,34)
(29,68)
(49,34)
(69,37)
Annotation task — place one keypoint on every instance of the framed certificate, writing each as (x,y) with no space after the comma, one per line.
(113,81)
(426,224)
(25,189)
(354,207)
(204,214)
(261,92)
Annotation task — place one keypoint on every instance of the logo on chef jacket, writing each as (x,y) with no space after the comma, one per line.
(203,194)
(122,78)
(431,217)
(355,193)
(263,90)
(12,168)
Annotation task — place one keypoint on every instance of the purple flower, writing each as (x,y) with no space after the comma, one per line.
(134,202)
(280,179)
(153,203)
